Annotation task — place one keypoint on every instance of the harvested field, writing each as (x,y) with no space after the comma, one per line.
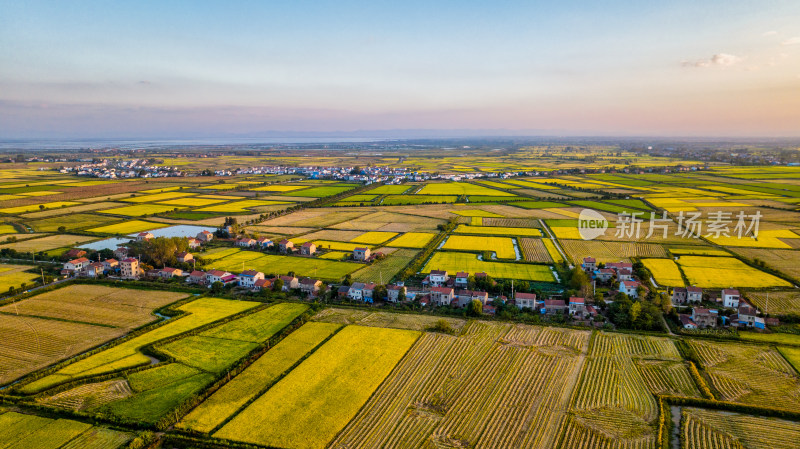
(139,210)
(512,222)
(95,304)
(534,250)
(780,303)
(750,374)
(429,399)
(31,431)
(373,237)
(497,230)
(785,261)
(725,272)
(711,429)
(609,251)
(332,234)
(391,320)
(70,210)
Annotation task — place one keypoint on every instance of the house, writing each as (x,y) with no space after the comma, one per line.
(489,309)
(264,242)
(205,236)
(441,296)
(577,306)
(193,242)
(591,311)
(438,278)
(369,290)
(343,291)
(76,265)
(730,298)
(747,315)
(629,288)
(197,277)
(682,295)
(553,306)
(289,283)
(361,254)
(229,279)
(759,323)
(465,297)
(310,287)
(216,276)
(356,292)
(245,242)
(169,273)
(703,318)
(525,300)
(394,293)
(184,257)
(110,264)
(462,279)
(248,278)
(93,270)
(589,264)
(121,252)
(262,284)
(686,321)
(624,274)
(616,266)
(129,268)
(604,274)
(308,249)
(142,236)
(285,246)
(75,253)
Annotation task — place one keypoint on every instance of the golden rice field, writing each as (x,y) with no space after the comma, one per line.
(158,197)
(139,210)
(553,251)
(382,270)
(36,207)
(414,322)
(373,237)
(724,272)
(430,399)
(316,400)
(665,272)
(128,227)
(478,213)
(711,429)
(750,374)
(767,238)
(785,261)
(413,240)
(503,246)
(241,206)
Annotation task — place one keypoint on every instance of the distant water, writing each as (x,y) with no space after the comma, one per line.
(67,144)
(179,231)
(111,244)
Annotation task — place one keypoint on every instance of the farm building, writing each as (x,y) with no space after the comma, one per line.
(169,273)
(75,253)
(248,278)
(245,242)
(462,279)
(262,284)
(704,317)
(553,306)
(218,276)
(129,268)
(465,297)
(730,298)
(361,254)
(197,277)
(686,321)
(205,236)
(442,296)
(308,249)
(310,287)
(76,265)
(394,293)
(604,274)
(285,246)
(142,236)
(525,300)
(356,291)
(589,264)
(264,242)
(681,295)
(289,283)
(629,288)
(577,306)
(438,278)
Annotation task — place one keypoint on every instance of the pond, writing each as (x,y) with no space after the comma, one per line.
(180,231)
(111,244)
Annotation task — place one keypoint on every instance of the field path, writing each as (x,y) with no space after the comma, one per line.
(555,243)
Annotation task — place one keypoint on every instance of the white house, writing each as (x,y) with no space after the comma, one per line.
(525,300)
(216,276)
(629,288)
(248,278)
(730,298)
(438,278)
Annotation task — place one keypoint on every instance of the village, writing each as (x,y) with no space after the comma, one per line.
(695,308)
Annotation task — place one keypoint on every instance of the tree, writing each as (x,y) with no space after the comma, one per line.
(475,308)
(217,287)
(62,229)
(277,285)
(442,326)
(636,311)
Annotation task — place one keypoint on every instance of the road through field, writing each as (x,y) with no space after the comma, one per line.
(555,242)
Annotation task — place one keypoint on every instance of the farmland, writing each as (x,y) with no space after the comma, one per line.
(30,431)
(502,246)
(47,242)
(724,272)
(665,272)
(127,227)
(777,302)
(127,354)
(604,251)
(750,374)
(260,375)
(708,429)
(332,384)
(429,399)
(498,230)
(13,276)
(534,250)
(454,262)
(385,269)
(413,240)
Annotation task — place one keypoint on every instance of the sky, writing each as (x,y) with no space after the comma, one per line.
(170,68)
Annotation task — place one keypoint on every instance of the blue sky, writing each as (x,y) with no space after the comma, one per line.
(152,69)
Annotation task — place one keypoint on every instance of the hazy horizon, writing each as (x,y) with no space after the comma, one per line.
(203,69)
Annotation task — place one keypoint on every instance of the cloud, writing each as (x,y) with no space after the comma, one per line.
(718,60)
(770,33)
(791,41)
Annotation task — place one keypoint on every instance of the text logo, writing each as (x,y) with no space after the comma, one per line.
(591,224)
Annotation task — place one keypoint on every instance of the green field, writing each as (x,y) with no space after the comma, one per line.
(389,189)
(268,263)
(381,271)
(36,207)
(322,191)
(19,431)
(263,372)
(308,407)
(69,222)
(454,262)
(460,188)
